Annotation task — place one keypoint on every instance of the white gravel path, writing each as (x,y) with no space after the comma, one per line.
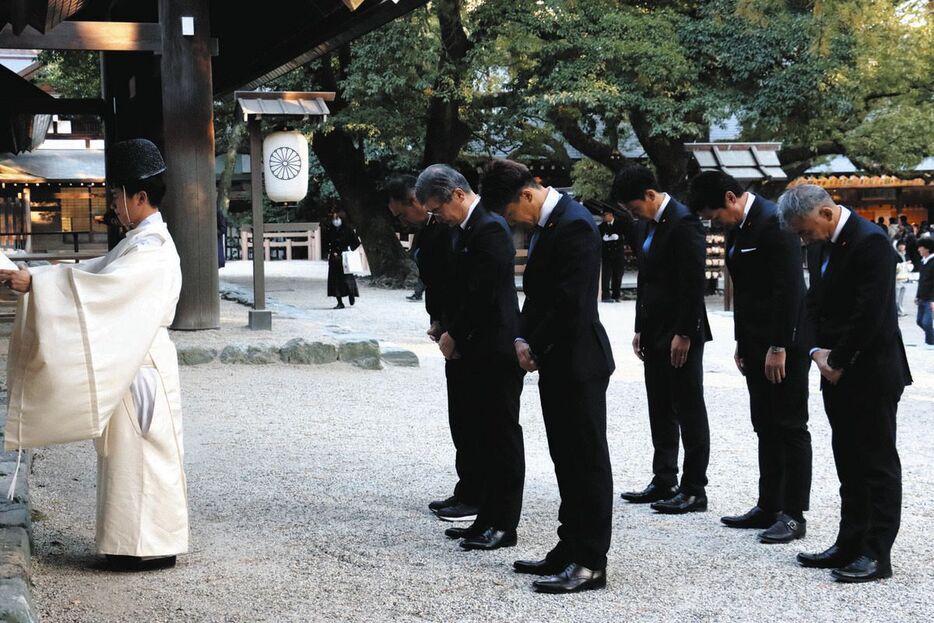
(308,488)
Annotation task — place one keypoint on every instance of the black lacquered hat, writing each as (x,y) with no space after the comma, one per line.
(132,161)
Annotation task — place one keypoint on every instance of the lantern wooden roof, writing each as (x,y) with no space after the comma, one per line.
(747,162)
(283,103)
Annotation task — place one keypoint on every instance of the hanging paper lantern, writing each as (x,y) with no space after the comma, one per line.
(285,166)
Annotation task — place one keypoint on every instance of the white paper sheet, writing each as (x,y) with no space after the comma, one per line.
(6,263)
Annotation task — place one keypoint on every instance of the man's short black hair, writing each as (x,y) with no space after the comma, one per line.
(893,220)
(632,182)
(154,187)
(709,188)
(927,243)
(401,187)
(502,182)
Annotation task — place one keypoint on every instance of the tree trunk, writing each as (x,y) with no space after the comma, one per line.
(567,122)
(667,153)
(446,133)
(234,136)
(344,162)
(345,165)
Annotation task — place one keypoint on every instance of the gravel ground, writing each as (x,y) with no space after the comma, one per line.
(308,488)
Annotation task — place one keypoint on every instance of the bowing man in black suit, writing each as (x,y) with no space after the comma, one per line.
(670,332)
(765,262)
(434,255)
(484,313)
(858,349)
(561,337)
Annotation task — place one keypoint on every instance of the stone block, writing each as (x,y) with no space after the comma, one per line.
(14,553)
(395,356)
(15,516)
(361,352)
(301,352)
(16,604)
(196,355)
(254,354)
(21,493)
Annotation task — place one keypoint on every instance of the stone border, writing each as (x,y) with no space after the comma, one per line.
(16,602)
(358,351)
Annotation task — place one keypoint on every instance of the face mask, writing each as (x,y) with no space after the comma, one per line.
(336,222)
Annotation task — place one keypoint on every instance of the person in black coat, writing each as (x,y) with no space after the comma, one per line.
(765,263)
(925,296)
(340,237)
(434,255)
(614,257)
(483,318)
(670,333)
(857,346)
(561,337)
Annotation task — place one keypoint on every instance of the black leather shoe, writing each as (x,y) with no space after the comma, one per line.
(458,512)
(785,530)
(464,533)
(539,567)
(652,493)
(682,503)
(135,563)
(491,539)
(831,558)
(755,518)
(863,569)
(573,579)
(437,505)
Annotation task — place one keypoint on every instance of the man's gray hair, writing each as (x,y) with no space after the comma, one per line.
(438,182)
(801,201)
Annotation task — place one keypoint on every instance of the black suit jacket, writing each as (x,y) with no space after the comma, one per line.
(851,308)
(670,297)
(768,278)
(434,254)
(484,303)
(559,318)
(926,282)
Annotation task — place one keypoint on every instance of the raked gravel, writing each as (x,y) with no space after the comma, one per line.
(308,488)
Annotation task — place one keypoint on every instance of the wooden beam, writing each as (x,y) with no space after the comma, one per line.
(97,36)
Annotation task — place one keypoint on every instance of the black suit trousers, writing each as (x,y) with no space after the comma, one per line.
(466,435)
(862,420)
(495,385)
(780,419)
(575,423)
(612,275)
(677,411)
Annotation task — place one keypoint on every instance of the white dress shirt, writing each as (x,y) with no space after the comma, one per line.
(473,206)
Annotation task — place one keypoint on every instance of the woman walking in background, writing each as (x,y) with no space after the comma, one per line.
(340,237)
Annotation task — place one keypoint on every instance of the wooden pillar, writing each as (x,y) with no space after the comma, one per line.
(260,317)
(188,140)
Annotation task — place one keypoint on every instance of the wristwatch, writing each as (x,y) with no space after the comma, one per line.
(776,349)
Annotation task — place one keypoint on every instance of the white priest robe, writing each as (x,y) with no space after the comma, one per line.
(91,358)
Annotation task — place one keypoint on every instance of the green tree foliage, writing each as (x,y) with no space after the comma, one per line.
(72,74)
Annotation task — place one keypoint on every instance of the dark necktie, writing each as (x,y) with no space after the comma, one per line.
(648,239)
(536,232)
(457,237)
